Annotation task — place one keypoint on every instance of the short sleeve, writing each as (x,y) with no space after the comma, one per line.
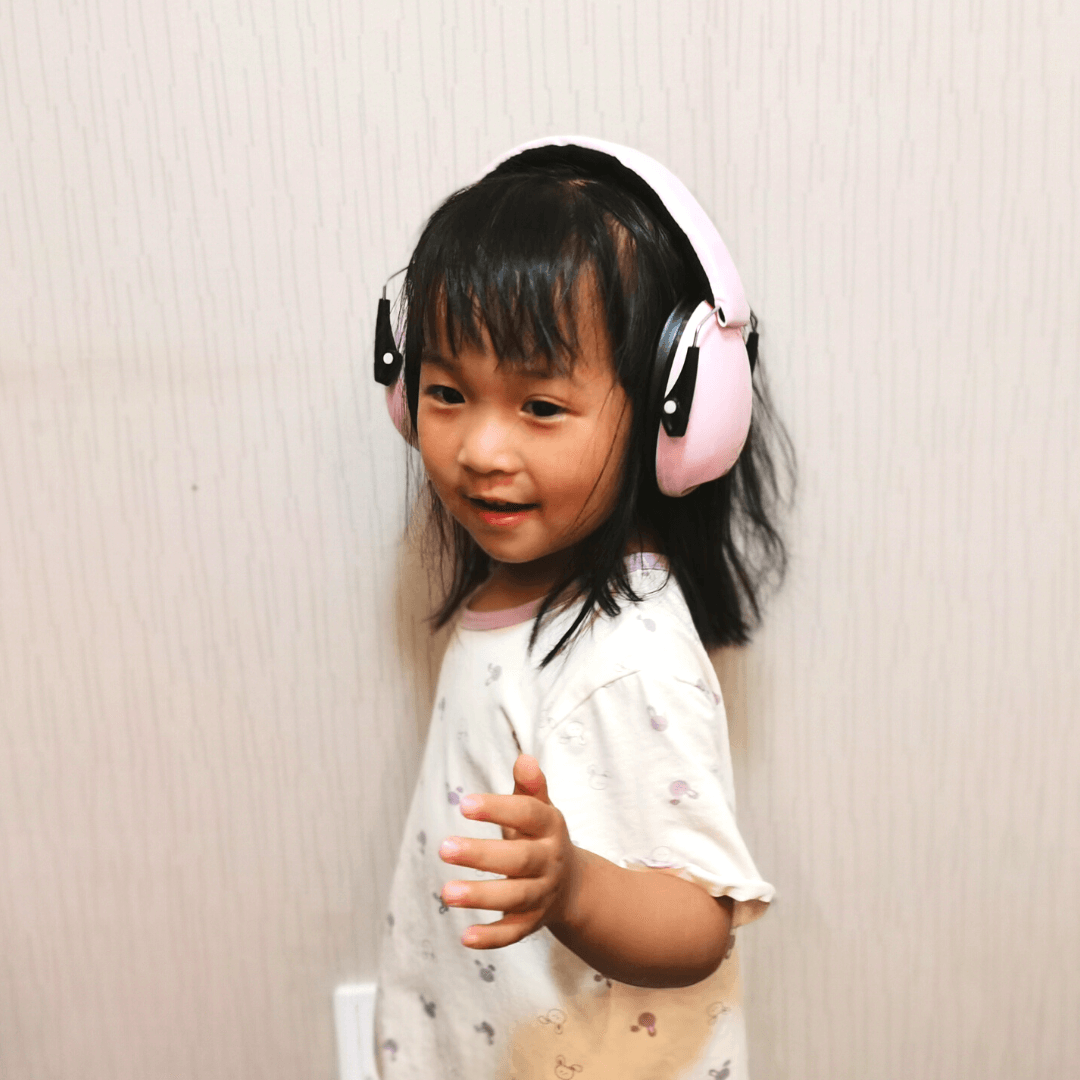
(641,771)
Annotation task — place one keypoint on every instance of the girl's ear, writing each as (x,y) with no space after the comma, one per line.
(398,408)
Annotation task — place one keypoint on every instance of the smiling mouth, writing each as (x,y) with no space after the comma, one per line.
(503,507)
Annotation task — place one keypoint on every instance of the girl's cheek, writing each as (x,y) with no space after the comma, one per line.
(428,438)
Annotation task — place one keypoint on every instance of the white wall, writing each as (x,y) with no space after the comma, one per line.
(213,681)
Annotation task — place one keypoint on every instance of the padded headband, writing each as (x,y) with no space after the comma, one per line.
(684,209)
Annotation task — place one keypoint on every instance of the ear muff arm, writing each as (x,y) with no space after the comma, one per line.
(387,357)
(679,399)
(677,404)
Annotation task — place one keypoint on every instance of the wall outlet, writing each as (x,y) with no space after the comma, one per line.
(354,1020)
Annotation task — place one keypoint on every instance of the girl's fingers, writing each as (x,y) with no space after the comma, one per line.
(510,857)
(498,935)
(514,896)
(529,778)
(528,815)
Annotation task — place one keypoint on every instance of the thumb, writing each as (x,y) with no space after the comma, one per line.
(529,779)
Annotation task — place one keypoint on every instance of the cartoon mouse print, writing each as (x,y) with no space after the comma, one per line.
(660,858)
(721,1074)
(429,1006)
(573,733)
(486,973)
(390,1047)
(555,1017)
(656,721)
(421,837)
(486,1029)
(679,788)
(453,797)
(647,1021)
(564,1071)
(600,978)
(597,780)
(443,906)
(494,671)
(649,624)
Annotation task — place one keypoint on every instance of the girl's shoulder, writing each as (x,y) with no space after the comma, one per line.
(653,630)
(654,636)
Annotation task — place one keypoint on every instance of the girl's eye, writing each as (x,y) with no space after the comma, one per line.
(546,409)
(438,392)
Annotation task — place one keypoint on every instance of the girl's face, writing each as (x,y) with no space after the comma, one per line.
(554,444)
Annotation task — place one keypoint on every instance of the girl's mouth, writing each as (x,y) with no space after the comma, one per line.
(502,507)
(502,514)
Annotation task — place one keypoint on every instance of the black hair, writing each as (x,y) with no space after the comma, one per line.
(508,255)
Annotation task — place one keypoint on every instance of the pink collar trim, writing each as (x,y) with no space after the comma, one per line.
(499,620)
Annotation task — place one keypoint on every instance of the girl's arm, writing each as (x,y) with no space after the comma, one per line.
(643,928)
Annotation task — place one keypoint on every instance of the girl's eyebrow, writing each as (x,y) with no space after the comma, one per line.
(435,360)
(453,365)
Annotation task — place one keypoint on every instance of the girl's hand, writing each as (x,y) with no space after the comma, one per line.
(535,854)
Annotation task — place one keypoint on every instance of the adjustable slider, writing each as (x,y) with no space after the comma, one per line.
(387,357)
(751,343)
(676,409)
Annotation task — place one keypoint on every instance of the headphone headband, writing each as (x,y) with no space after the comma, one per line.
(696,226)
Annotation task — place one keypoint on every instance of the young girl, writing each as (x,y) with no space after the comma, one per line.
(576,379)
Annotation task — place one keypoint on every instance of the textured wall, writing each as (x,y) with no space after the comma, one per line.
(213,681)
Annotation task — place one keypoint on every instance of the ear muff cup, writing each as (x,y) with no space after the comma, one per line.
(397,406)
(719,412)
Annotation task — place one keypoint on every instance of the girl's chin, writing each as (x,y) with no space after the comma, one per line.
(511,554)
(504,547)
(524,566)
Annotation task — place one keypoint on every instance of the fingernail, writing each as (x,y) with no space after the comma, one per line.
(449,848)
(469,803)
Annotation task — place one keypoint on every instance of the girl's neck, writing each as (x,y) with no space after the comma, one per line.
(511,585)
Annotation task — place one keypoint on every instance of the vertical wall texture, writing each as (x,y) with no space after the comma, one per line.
(214,681)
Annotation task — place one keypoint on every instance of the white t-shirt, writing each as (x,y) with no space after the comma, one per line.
(630,731)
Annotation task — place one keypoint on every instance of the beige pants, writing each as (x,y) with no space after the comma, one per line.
(628,1032)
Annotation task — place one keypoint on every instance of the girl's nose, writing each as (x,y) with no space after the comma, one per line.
(489,445)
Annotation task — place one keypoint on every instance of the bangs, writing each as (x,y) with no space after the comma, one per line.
(515,257)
